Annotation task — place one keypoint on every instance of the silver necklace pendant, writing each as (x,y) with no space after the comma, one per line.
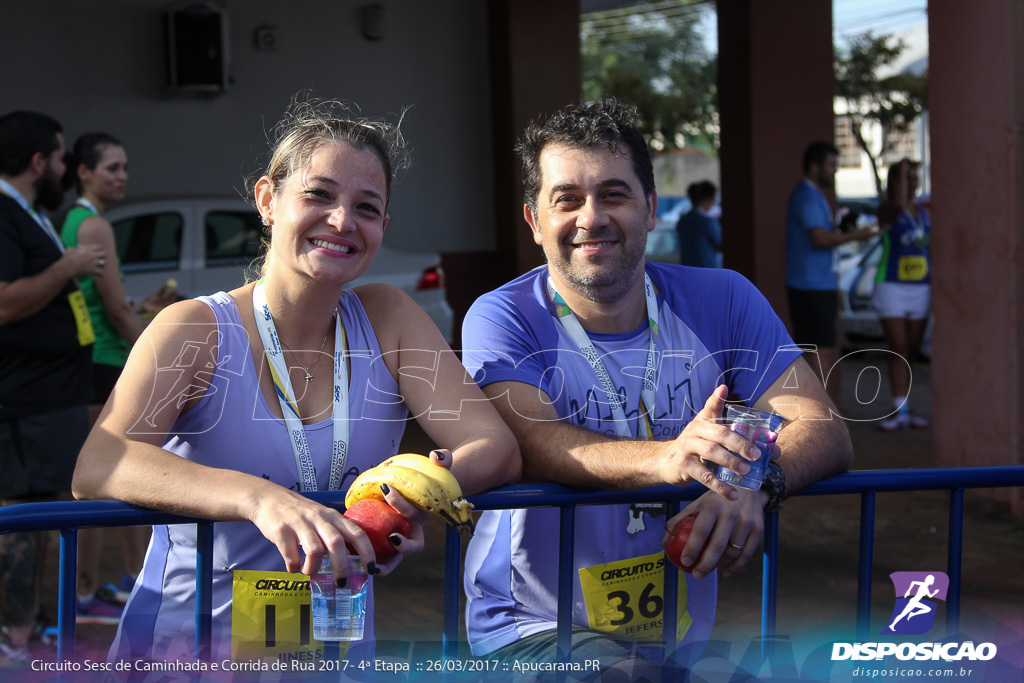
(308,377)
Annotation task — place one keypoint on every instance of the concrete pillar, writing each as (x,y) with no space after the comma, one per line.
(536,68)
(976,103)
(775,86)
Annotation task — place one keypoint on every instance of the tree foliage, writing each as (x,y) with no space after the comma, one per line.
(653,56)
(892,102)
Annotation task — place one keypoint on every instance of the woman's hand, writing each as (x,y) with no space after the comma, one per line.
(304,531)
(414,543)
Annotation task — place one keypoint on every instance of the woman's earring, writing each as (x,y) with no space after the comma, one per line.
(266,223)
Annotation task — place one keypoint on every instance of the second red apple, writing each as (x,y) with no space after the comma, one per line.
(675,545)
(379,520)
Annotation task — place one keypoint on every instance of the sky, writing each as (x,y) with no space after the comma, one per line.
(851,17)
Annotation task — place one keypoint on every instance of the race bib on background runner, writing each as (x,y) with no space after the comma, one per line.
(271,620)
(912,268)
(626,599)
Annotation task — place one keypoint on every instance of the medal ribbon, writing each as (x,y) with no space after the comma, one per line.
(289,406)
(580,337)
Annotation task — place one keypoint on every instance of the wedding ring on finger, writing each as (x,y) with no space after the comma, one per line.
(737,548)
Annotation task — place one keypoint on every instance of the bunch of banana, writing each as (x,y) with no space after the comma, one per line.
(425,484)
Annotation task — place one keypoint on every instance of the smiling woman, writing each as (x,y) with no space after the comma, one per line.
(232,434)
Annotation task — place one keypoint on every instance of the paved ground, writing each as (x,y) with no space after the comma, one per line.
(818,551)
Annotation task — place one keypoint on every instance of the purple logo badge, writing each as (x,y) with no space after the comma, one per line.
(917,596)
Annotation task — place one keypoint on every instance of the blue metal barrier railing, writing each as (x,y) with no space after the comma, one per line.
(69,517)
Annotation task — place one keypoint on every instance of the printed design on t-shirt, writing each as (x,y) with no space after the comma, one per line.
(674,405)
(637,511)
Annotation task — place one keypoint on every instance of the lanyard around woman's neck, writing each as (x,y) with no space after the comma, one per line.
(39,218)
(87,205)
(289,406)
(582,340)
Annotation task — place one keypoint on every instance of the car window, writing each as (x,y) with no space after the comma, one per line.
(232,237)
(149,241)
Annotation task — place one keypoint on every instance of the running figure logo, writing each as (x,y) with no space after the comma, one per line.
(914,612)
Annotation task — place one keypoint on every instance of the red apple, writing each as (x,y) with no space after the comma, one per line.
(675,545)
(379,520)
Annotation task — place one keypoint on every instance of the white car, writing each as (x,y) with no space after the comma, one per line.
(208,245)
(859,326)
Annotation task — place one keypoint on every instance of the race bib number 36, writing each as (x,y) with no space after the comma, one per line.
(271,621)
(627,598)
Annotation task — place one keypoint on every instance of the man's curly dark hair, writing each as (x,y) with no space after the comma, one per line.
(605,122)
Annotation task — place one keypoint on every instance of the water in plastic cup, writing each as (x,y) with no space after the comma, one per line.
(756,426)
(339,613)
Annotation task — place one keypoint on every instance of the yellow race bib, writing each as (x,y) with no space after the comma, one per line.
(626,598)
(86,335)
(912,268)
(271,620)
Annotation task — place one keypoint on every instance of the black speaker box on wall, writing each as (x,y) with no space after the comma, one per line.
(197,52)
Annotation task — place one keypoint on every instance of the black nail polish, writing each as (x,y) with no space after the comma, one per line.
(371,569)
(395,540)
(440,455)
(342,582)
(385,489)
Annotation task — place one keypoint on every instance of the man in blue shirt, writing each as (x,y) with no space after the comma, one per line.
(811,238)
(612,373)
(700,233)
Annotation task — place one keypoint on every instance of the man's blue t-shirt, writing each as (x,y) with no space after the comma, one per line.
(807,266)
(700,240)
(714,328)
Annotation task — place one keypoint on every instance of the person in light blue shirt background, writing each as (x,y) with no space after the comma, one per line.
(700,233)
(811,239)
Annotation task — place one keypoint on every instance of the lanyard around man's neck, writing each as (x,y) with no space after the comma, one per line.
(582,340)
(39,218)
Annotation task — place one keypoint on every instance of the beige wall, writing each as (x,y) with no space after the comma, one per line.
(99,64)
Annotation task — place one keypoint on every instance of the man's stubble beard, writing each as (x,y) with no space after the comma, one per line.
(604,286)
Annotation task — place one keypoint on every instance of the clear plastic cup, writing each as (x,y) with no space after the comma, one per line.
(761,429)
(339,613)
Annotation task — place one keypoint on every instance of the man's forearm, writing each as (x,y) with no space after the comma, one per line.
(815,443)
(814,449)
(579,457)
(28,295)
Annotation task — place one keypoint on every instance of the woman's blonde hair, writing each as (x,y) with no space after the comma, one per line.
(310,123)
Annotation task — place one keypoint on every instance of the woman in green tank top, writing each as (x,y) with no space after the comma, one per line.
(98,165)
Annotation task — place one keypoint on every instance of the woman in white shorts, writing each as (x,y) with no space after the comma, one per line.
(902,294)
